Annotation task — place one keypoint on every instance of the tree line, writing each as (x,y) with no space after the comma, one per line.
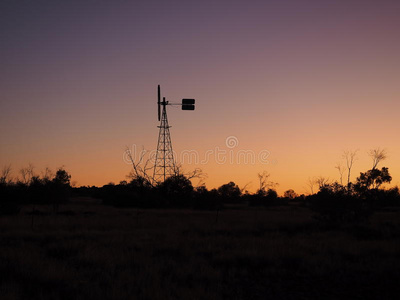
(333,201)
(31,188)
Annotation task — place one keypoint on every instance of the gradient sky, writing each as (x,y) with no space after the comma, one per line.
(304,80)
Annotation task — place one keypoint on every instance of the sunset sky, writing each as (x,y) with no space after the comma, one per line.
(303,80)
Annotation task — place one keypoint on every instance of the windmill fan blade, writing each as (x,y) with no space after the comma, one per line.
(158,103)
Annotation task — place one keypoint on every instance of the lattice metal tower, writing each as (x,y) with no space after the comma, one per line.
(164,165)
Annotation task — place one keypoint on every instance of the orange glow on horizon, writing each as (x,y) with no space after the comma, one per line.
(304,84)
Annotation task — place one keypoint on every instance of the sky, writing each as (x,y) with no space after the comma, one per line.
(291,83)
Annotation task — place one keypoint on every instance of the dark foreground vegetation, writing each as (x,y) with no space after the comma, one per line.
(90,251)
(139,240)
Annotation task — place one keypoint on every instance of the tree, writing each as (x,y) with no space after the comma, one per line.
(204,199)
(321,181)
(290,194)
(311,182)
(271,196)
(197,173)
(377,156)
(373,179)
(61,187)
(5,175)
(8,198)
(264,183)
(138,172)
(201,189)
(229,191)
(339,166)
(27,174)
(62,177)
(335,205)
(47,174)
(350,157)
(177,188)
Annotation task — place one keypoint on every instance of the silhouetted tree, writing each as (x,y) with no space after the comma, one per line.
(204,199)
(5,176)
(271,197)
(373,179)
(229,191)
(311,182)
(390,197)
(27,174)
(377,156)
(195,174)
(178,190)
(264,183)
(62,177)
(9,196)
(350,157)
(336,204)
(39,191)
(341,171)
(47,174)
(290,194)
(142,173)
(140,184)
(61,187)
(321,181)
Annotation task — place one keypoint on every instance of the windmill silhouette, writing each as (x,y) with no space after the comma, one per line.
(164,165)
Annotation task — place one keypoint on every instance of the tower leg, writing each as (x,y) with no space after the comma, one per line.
(164,165)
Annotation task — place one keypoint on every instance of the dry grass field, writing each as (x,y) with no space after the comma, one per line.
(91,251)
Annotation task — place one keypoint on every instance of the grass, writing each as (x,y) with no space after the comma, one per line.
(92,251)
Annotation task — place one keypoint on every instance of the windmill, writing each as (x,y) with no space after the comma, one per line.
(164,165)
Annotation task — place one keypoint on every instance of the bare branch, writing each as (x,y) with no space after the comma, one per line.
(339,166)
(47,174)
(311,182)
(5,175)
(262,179)
(27,173)
(243,189)
(264,183)
(377,156)
(195,174)
(350,157)
(138,172)
(322,181)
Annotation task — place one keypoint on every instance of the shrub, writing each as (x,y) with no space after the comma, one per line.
(335,204)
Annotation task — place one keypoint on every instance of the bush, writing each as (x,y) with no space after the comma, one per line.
(266,198)
(334,204)
(229,193)
(206,200)
(177,190)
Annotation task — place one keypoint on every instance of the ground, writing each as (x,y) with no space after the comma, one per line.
(89,251)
